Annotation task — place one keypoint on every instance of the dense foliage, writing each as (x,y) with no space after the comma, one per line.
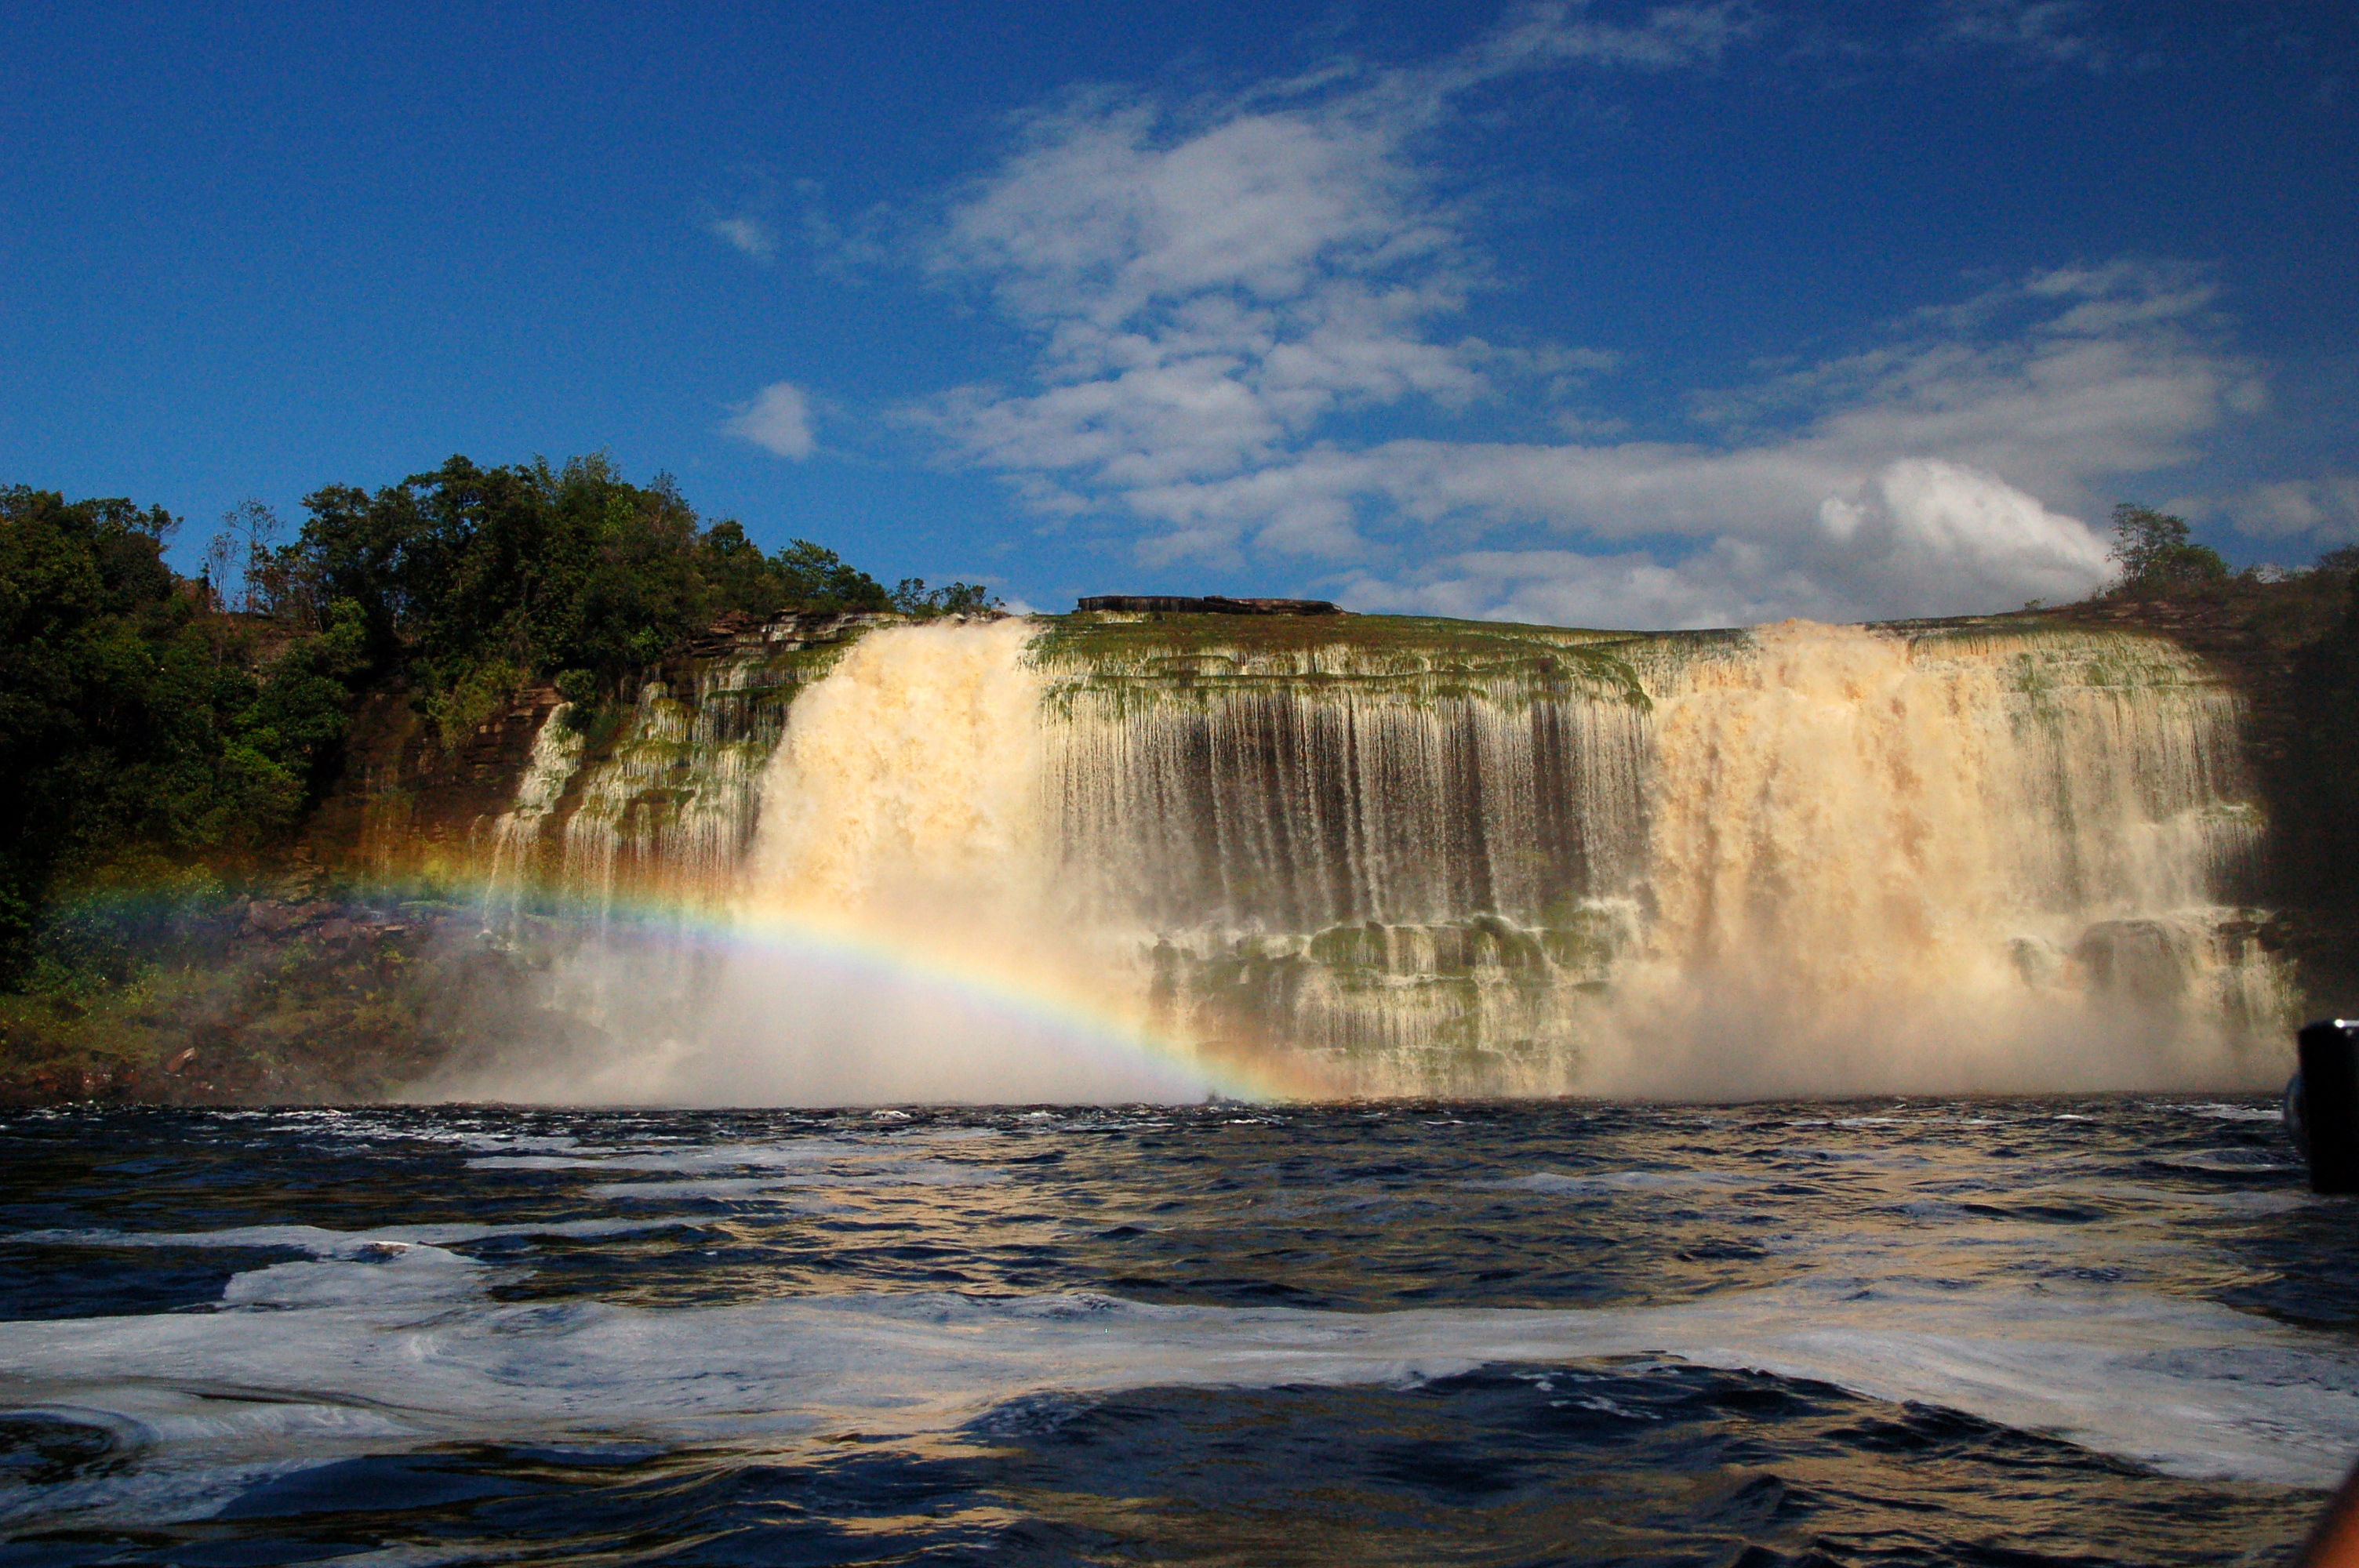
(478,580)
(138,725)
(147,731)
(2157,557)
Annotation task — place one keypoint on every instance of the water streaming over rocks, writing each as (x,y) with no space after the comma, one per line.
(1398,856)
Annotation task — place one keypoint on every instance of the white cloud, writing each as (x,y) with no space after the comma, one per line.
(2326,509)
(1211,281)
(1216,289)
(2050,32)
(1942,537)
(779,420)
(1544,34)
(748,234)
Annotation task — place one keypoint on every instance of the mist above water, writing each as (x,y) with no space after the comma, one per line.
(978,867)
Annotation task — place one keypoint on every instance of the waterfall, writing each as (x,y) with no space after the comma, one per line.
(901,821)
(1412,857)
(907,783)
(1941,863)
(556,757)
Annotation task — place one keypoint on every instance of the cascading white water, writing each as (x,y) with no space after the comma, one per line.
(901,860)
(1812,859)
(907,785)
(1874,864)
(556,757)
(1807,859)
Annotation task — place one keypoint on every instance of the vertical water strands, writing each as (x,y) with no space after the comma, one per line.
(1403,859)
(668,812)
(1812,858)
(515,834)
(656,799)
(645,811)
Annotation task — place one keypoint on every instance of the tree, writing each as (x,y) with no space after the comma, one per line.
(136,724)
(912,597)
(815,577)
(475,580)
(2155,556)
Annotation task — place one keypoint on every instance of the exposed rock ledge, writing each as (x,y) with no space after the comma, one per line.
(1180,605)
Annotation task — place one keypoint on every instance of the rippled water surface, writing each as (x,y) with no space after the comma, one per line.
(2105,1331)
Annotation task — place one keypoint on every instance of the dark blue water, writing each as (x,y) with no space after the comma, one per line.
(2005,1333)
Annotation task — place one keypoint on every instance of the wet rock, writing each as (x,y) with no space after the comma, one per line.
(2036,960)
(2140,958)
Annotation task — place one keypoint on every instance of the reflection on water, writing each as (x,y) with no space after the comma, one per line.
(2108,1331)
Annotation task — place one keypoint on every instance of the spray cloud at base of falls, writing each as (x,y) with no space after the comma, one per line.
(1430,857)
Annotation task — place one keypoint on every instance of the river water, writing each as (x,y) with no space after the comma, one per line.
(1996,1332)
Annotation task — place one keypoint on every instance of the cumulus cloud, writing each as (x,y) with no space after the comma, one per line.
(1928,536)
(1221,293)
(779,420)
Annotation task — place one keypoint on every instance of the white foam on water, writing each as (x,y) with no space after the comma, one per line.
(2234,1112)
(402,1276)
(399,1349)
(320,1242)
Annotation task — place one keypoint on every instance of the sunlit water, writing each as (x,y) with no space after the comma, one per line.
(2010,1332)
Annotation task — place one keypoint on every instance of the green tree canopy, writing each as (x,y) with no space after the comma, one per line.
(2155,556)
(134,722)
(476,580)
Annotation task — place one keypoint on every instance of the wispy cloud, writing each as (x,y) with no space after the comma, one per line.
(747,234)
(1210,281)
(2046,32)
(747,220)
(846,249)
(1221,291)
(777,420)
(2325,509)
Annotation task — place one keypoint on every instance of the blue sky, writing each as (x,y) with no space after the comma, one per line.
(1608,314)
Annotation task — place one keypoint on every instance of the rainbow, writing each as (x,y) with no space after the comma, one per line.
(1100,1031)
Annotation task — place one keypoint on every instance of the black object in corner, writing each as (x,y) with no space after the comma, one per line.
(2330,1103)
